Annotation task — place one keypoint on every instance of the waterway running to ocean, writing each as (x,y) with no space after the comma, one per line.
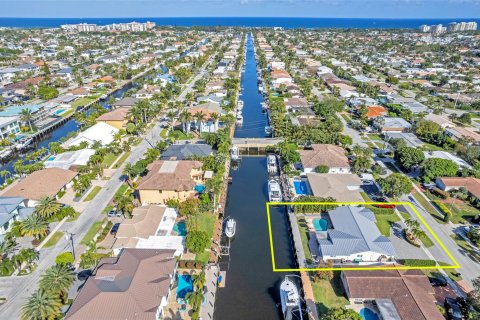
(251,287)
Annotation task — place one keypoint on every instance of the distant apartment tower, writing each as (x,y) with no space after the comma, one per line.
(462,26)
(131,26)
(424,28)
(86,27)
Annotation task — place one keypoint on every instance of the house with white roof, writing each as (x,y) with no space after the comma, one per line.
(100,132)
(70,160)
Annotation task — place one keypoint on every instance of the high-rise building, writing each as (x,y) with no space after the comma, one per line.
(424,28)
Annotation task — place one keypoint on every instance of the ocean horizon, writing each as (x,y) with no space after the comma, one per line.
(284,22)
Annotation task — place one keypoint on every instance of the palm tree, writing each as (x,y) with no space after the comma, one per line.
(26,115)
(35,226)
(5,173)
(199,118)
(414,228)
(28,255)
(194,299)
(7,267)
(57,279)
(129,171)
(199,281)
(186,118)
(7,246)
(215,117)
(41,305)
(47,207)
(171,115)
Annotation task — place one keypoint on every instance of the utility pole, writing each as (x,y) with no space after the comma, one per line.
(69,237)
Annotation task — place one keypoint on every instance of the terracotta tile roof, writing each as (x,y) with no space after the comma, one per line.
(324,154)
(169,175)
(469,183)
(376,111)
(118,114)
(46,182)
(130,287)
(144,222)
(409,290)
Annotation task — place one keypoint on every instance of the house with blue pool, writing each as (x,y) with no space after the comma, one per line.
(390,294)
(153,227)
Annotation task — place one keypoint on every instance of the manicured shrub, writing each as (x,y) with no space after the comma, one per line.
(447,214)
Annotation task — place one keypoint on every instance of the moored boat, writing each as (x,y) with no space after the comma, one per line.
(289,298)
(274,191)
(230,228)
(272,164)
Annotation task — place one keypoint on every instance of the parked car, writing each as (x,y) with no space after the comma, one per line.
(114,213)
(473,226)
(453,309)
(379,199)
(438,281)
(84,274)
(115,229)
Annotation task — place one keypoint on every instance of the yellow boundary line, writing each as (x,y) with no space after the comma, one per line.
(455,265)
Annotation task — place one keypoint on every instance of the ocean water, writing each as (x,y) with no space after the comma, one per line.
(237,21)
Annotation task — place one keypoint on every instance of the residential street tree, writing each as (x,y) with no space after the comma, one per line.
(437,167)
(41,305)
(395,185)
(47,207)
(409,157)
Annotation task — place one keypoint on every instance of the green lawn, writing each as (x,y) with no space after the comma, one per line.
(427,242)
(365,197)
(304,232)
(385,221)
(92,193)
(345,117)
(431,147)
(179,135)
(108,160)
(466,249)
(81,102)
(375,137)
(91,232)
(461,212)
(329,294)
(123,188)
(428,206)
(163,133)
(203,257)
(452,273)
(122,159)
(53,240)
(206,222)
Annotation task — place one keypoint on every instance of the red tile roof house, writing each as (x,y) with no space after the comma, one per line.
(398,294)
(470,183)
(134,285)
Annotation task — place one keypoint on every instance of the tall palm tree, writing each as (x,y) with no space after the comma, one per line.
(41,305)
(195,299)
(186,118)
(199,119)
(35,226)
(215,117)
(57,279)
(129,171)
(199,280)
(29,255)
(47,207)
(26,115)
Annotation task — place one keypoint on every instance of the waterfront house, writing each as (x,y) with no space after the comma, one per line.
(353,237)
(394,294)
(147,92)
(208,124)
(9,126)
(101,132)
(151,227)
(341,187)
(295,104)
(70,160)
(280,76)
(134,285)
(167,180)
(127,102)
(328,155)
(46,182)
(117,118)
(12,209)
(186,151)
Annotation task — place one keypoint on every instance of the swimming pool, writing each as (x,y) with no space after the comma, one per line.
(300,187)
(368,314)
(184,285)
(320,224)
(59,111)
(199,188)
(180,228)
(51,159)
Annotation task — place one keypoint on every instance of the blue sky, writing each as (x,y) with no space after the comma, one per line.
(248,8)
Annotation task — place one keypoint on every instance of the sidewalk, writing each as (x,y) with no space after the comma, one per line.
(208,307)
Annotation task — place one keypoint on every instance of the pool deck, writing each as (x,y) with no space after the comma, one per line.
(208,307)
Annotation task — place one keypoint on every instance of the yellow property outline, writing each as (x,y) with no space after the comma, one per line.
(275,269)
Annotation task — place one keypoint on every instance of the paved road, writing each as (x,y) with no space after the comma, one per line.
(17,289)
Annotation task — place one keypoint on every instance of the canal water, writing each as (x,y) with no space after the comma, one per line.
(251,287)
(254,120)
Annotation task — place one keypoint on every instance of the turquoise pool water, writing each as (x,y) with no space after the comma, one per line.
(368,314)
(59,111)
(180,228)
(320,224)
(199,188)
(51,159)
(300,187)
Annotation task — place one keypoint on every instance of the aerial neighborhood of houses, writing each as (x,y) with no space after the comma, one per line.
(134,177)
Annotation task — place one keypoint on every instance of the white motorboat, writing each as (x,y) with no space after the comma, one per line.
(268,130)
(274,191)
(239,119)
(272,164)
(240,104)
(5,153)
(23,143)
(230,228)
(289,298)
(235,153)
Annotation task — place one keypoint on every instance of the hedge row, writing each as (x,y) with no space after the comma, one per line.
(105,231)
(418,262)
(443,208)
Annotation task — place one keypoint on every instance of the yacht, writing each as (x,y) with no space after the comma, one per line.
(272,164)
(239,118)
(274,191)
(289,298)
(230,228)
(23,143)
(5,153)
(235,153)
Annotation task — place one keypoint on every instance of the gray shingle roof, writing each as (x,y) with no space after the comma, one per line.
(354,231)
(186,151)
